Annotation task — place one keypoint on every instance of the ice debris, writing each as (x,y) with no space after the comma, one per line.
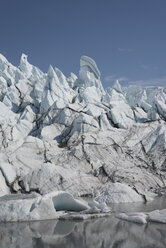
(54,205)
(158,216)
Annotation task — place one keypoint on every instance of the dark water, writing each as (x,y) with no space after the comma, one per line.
(98,233)
(158,203)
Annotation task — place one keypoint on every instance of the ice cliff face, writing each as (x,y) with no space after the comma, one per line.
(69,134)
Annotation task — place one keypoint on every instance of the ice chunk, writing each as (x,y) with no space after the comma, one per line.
(37,207)
(142,218)
(157,216)
(65,201)
(140,115)
(133,217)
(101,207)
(121,115)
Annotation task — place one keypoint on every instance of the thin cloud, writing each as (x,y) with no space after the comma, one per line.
(154,82)
(146,67)
(112,78)
(122,79)
(120,49)
(144,83)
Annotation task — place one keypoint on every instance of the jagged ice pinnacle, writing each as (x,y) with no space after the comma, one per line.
(69,133)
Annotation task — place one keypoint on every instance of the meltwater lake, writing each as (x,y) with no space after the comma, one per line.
(98,233)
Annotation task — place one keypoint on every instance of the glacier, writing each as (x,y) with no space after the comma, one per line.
(69,134)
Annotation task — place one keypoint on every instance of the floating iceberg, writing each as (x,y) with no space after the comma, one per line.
(54,205)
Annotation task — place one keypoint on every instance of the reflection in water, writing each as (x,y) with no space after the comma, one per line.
(100,233)
(157,203)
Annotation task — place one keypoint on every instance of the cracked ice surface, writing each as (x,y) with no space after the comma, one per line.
(69,134)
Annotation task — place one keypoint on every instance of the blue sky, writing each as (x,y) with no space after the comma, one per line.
(126,38)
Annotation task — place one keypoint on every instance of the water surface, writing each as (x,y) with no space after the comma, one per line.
(99,233)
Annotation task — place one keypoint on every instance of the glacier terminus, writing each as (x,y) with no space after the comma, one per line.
(64,139)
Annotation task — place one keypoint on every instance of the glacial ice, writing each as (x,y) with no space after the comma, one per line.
(54,205)
(139,218)
(65,201)
(23,208)
(68,134)
(157,216)
(118,193)
(142,218)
